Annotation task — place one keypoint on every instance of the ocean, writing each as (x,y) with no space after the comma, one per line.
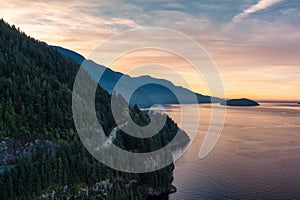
(256,157)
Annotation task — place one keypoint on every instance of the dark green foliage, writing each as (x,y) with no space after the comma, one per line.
(35,92)
(70,165)
(35,102)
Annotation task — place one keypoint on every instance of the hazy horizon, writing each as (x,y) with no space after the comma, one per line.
(175,100)
(254,43)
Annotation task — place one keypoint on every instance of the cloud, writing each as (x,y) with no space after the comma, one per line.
(74,24)
(261,53)
(261,5)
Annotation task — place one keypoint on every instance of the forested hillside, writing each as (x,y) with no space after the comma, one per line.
(36,105)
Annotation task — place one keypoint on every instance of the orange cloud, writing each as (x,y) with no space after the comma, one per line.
(258,59)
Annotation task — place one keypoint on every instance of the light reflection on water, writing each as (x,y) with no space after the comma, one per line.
(256,157)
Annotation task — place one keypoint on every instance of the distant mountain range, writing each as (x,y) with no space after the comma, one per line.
(157,91)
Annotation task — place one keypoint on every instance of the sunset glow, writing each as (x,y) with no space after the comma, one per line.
(255,44)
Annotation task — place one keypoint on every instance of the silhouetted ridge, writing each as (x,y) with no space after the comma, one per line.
(160,91)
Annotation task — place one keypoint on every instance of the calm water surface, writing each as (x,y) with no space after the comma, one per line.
(256,157)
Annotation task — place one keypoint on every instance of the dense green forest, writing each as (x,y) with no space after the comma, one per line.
(36,103)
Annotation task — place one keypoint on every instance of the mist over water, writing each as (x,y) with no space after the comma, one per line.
(256,157)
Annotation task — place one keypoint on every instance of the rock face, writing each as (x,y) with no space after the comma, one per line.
(11,149)
(99,190)
(239,102)
(153,194)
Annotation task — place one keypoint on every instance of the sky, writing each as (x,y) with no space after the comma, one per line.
(255,44)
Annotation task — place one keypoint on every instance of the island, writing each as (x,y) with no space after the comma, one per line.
(239,102)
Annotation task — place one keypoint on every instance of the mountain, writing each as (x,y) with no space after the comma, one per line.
(41,154)
(158,91)
(71,54)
